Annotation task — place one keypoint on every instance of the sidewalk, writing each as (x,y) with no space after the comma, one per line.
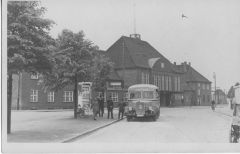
(50,126)
(224,109)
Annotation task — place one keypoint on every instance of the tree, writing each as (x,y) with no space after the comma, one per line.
(101,68)
(76,59)
(28,42)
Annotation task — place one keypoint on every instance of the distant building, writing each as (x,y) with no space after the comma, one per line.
(136,61)
(221,97)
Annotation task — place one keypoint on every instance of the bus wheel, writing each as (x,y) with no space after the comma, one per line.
(129,118)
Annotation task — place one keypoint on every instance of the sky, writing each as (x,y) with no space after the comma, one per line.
(209,38)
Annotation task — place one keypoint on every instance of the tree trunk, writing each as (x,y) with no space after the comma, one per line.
(75,96)
(9,102)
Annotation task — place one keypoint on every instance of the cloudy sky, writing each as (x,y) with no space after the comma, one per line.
(209,37)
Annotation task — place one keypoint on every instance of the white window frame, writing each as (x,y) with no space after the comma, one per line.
(34,76)
(34,96)
(51,95)
(68,96)
(114,96)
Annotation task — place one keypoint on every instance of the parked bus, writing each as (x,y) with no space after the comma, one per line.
(143,101)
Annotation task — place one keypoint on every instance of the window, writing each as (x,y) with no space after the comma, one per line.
(175,83)
(125,98)
(199,92)
(179,84)
(159,82)
(166,82)
(145,78)
(155,81)
(114,96)
(34,76)
(170,83)
(34,96)
(135,94)
(51,96)
(203,98)
(163,83)
(162,65)
(199,85)
(147,94)
(68,96)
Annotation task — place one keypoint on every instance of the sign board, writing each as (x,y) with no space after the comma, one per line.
(84,96)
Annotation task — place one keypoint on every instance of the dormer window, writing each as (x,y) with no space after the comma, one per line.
(162,65)
(34,76)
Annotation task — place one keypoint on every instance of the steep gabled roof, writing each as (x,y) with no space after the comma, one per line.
(136,53)
(194,76)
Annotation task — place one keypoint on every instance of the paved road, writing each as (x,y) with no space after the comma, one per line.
(175,125)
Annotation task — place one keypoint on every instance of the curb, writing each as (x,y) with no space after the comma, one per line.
(90,131)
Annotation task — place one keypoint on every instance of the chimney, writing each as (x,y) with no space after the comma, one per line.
(174,63)
(184,64)
(136,36)
(189,63)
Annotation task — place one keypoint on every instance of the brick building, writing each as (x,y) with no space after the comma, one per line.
(136,61)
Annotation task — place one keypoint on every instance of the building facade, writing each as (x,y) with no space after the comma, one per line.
(135,62)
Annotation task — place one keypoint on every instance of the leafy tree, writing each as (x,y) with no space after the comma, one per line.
(75,59)
(28,42)
(101,68)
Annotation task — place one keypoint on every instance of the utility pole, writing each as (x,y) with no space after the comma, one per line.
(214,76)
(123,67)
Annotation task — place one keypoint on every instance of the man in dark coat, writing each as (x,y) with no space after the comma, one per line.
(101,106)
(110,107)
(95,108)
(121,106)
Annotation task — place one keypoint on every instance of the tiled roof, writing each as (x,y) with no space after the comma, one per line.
(114,76)
(194,76)
(137,53)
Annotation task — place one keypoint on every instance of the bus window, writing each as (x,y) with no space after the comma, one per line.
(135,94)
(148,94)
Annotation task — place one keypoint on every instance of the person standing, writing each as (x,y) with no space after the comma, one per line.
(95,108)
(121,109)
(101,106)
(110,107)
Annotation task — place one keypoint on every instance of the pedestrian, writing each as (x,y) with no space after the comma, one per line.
(95,108)
(121,107)
(213,105)
(101,106)
(110,107)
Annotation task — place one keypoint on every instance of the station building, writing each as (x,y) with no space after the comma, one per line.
(135,61)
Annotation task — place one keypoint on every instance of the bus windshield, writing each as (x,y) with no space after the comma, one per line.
(147,95)
(143,95)
(135,94)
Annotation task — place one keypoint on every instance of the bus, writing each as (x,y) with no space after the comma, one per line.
(143,102)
